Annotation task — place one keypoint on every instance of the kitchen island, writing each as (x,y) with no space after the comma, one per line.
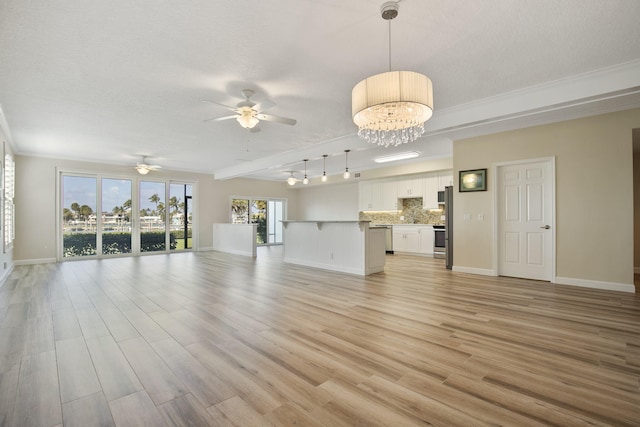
(346,246)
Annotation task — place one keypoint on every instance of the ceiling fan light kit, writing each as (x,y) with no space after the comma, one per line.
(247,119)
(391,108)
(248,114)
(144,168)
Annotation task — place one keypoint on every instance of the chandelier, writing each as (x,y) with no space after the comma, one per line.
(390,108)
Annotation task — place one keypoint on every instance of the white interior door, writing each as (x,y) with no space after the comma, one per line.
(525,220)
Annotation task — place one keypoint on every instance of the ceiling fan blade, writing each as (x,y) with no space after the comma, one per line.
(218,119)
(154,167)
(277,119)
(221,105)
(264,105)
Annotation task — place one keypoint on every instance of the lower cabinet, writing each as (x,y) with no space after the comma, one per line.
(413,239)
(406,239)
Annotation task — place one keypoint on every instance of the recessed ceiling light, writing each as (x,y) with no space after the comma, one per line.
(395,157)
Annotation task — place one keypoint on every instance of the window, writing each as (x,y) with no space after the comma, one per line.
(79,216)
(181,215)
(9,209)
(266,213)
(102,216)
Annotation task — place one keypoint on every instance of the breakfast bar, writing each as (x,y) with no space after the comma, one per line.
(346,246)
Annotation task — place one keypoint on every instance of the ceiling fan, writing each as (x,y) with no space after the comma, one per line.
(249,114)
(144,168)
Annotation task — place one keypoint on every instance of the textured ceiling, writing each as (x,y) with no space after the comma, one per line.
(112,81)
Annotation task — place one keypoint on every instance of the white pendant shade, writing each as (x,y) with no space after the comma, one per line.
(391,108)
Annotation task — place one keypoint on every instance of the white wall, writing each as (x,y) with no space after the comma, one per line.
(329,202)
(36,201)
(594,194)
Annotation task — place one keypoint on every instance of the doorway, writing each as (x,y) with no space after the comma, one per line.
(525,216)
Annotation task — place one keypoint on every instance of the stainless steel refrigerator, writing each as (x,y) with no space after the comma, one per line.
(448,226)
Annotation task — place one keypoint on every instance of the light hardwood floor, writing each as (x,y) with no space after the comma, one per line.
(215,339)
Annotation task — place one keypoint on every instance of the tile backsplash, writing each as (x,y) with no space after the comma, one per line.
(412,213)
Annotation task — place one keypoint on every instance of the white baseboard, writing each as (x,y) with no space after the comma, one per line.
(596,284)
(322,266)
(207,249)
(473,270)
(236,252)
(34,261)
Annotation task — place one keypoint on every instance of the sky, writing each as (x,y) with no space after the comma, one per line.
(114,192)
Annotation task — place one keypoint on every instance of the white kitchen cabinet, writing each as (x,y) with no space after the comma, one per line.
(416,239)
(365,189)
(445,179)
(406,239)
(426,240)
(411,187)
(430,191)
(378,196)
(389,195)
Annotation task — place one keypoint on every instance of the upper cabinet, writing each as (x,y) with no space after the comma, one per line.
(365,189)
(378,195)
(445,179)
(383,195)
(389,195)
(411,187)
(430,191)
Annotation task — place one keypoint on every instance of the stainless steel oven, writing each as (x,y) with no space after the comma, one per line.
(439,241)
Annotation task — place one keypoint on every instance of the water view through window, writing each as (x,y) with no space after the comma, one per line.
(79,216)
(98,216)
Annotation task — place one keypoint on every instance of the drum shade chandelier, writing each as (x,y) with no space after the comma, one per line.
(391,108)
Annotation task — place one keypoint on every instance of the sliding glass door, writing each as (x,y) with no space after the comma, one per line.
(108,216)
(181,215)
(153,222)
(79,224)
(115,224)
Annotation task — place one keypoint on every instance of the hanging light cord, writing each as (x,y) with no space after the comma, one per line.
(389,44)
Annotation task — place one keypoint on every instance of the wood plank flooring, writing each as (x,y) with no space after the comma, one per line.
(208,339)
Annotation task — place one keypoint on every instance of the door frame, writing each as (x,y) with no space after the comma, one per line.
(495,167)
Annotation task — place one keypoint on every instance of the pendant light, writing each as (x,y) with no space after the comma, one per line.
(324,168)
(391,108)
(305,181)
(346,174)
(292,179)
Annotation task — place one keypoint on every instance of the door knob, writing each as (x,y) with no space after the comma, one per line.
(546,227)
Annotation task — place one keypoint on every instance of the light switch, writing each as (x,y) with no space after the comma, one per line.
(467,217)
(480,217)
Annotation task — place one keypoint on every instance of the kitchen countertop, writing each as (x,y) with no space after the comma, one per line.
(402,225)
